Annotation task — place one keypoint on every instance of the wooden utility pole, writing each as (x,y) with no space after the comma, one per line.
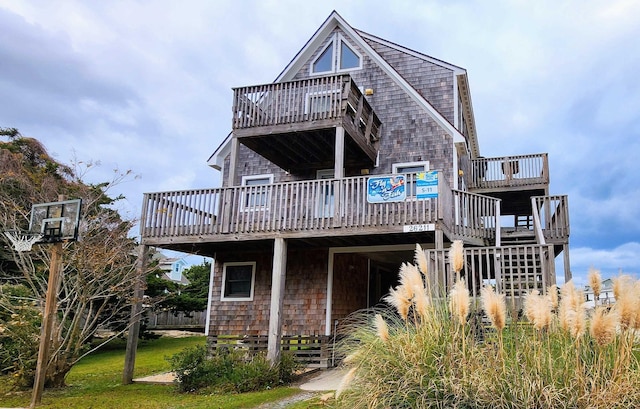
(134,321)
(50,308)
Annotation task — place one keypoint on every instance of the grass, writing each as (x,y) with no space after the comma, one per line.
(95,382)
(434,354)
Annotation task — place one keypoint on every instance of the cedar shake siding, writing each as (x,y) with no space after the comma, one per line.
(333,245)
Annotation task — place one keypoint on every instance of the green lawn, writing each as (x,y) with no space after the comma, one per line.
(95,382)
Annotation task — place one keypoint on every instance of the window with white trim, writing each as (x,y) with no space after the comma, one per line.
(257,191)
(324,62)
(325,194)
(238,281)
(411,168)
(337,56)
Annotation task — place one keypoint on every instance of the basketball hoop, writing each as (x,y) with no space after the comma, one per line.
(23,241)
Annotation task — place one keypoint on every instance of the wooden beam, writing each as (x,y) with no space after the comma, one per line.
(233,160)
(277,297)
(134,320)
(50,308)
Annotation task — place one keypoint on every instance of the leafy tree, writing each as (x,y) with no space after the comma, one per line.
(98,270)
(180,298)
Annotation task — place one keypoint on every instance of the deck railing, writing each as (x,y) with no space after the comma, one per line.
(314,99)
(508,171)
(311,205)
(553,212)
(513,270)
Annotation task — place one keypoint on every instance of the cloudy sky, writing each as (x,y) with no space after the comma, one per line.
(146,86)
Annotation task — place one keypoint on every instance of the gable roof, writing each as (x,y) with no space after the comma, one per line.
(335,20)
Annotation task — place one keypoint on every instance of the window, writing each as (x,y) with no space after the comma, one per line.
(337,56)
(325,195)
(238,281)
(411,169)
(348,58)
(257,191)
(324,63)
(320,103)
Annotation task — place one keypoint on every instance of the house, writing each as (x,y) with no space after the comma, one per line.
(359,149)
(172,267)
(606,296)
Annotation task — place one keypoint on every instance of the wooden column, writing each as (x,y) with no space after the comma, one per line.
(233,161)
(134,320)
(50,308)
(329,310)
(338,174)
(567,263)
(439,239)
(278,277)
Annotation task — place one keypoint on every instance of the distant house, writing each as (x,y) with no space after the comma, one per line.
(606,294)
(359,149)
(173,268)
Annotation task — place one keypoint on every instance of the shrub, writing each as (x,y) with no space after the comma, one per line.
(229,370)
(425,354)
(19,334)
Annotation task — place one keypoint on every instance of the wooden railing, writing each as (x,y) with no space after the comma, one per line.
(553,216)
(160,320)
(314,99)
(312,351)
(311,205)
(513,270)
(475,216)
(508,171)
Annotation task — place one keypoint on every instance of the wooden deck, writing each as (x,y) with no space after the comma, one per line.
(293,123)
(310,208)
(511,173)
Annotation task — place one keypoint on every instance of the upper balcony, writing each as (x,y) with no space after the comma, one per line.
(292,124)
(514,179)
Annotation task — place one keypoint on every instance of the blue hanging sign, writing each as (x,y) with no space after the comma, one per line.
(385,189)
(427,185)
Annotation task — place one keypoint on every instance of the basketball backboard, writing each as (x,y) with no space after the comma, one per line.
(56,221)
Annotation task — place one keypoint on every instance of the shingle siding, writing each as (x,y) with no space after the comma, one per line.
(408,133)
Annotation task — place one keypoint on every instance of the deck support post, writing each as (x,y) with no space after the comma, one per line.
(277,297)
(567,263)
(134,320)
(338,174)
(439,239)
(233,160)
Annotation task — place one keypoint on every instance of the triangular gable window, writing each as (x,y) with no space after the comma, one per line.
(324,63)
(348,58)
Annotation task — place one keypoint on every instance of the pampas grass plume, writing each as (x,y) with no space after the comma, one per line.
(399,298)
(538,310)
(595,281)
(603,326)
(382,328)
(421,302)
(410,279)
(494,307)
(552,294)
(456,256)
(459,301)
(421,259)
(627,301)
(346,380)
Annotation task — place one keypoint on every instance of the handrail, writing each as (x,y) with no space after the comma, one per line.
(508,171)
(537,226)
(306,206)
(553,212)
(333,97)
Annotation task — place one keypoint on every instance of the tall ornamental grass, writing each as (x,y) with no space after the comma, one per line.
(427,351)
